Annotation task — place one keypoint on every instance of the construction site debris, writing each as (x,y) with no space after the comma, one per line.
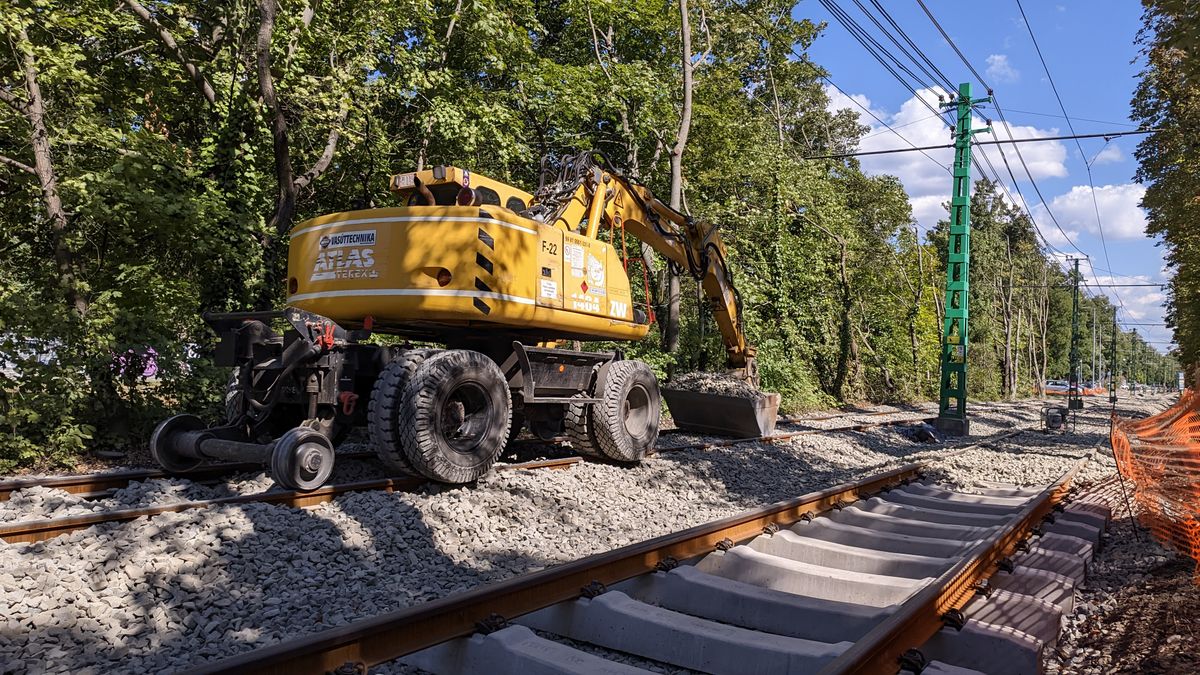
(715,383)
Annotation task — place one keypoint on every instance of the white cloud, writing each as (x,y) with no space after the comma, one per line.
(1055,237)
(928,182)
(1000,70)
(1120,214)
(854,103)
(1111,154)
(1045,160)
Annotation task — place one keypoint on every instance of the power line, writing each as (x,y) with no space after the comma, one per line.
(825,78)
(944,79)
(1081,119)
(878,51)
(1071,126)
(876,118)
(945,36)
(1092,285)
(920,64)
(898,126)
(1014,141)
(1007,129)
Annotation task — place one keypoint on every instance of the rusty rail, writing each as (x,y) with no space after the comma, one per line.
(96,483)
(392,635)
(41,530)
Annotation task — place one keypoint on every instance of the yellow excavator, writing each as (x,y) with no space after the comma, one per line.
(498,277)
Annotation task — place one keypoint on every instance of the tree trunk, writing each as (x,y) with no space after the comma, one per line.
(671,327)
(285,205)
(289,184)
(847,345)
(43,167)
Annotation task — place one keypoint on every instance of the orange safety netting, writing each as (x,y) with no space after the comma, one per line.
(1161,456)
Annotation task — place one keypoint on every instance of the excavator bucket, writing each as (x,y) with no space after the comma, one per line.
(723,415)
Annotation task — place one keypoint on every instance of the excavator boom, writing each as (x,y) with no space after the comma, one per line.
(599,195)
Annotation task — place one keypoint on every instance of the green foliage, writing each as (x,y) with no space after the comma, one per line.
(168,168)
(1169,161)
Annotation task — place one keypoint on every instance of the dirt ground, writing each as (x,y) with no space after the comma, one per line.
(1138,611)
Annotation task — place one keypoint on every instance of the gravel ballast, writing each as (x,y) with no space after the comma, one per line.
(715,383)
(161,593)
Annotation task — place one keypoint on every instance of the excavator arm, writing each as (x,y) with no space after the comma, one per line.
(602,196)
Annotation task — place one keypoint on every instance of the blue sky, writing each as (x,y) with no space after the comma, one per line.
(1090,51)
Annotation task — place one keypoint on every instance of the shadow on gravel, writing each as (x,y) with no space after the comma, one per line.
(199,586)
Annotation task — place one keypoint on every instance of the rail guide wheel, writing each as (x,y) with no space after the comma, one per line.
(162,447)
(302,459)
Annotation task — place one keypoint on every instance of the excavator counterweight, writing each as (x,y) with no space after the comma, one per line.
(497,278)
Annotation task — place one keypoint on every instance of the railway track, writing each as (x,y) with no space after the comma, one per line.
(862,577)
(96,485)
(101,484)
(29,531)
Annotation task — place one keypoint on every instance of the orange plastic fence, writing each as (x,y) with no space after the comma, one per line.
(1160,455)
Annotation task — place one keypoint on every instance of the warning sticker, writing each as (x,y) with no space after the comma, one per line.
(549,289)
(573,255)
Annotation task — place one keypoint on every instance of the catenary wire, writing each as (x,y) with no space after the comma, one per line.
(1071,126)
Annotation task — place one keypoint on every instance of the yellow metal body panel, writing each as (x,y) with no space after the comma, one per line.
(506,272)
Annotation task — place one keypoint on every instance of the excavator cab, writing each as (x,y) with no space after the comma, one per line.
(472,277)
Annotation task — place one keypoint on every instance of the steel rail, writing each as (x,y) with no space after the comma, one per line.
(93,483)
(389,636)
(30,531)
(40,530)
(774,438)
(394,634)
(920,617)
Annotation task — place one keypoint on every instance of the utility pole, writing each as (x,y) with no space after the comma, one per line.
(1132,373)
(1112,362)
(1074,400)
(1094,377)
(952,397)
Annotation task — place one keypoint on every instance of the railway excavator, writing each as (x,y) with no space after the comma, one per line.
(500,280)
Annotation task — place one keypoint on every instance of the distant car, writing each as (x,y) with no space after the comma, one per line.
(1056,387)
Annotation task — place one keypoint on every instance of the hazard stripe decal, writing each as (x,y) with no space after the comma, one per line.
(483,262)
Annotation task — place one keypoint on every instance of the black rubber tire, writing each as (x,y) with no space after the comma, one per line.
(384,408)
(515,425)
(578,425)
(625,422)
(452,383)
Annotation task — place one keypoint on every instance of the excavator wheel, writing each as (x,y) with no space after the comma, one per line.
(455,416)
(578,425)
(384,407)
(624,425)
